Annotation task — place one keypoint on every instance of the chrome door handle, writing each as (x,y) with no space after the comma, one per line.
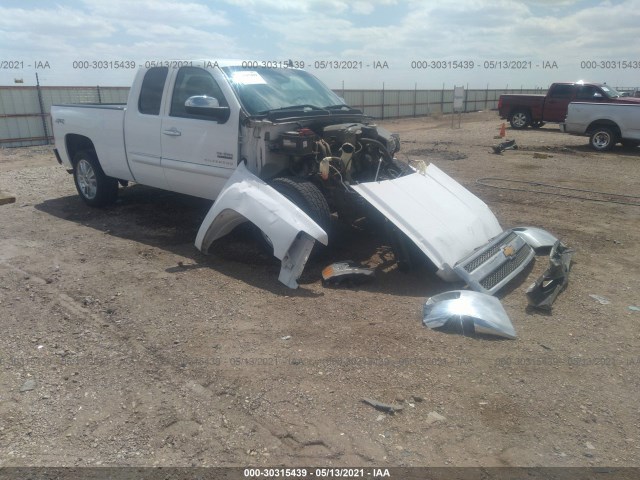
(172,132)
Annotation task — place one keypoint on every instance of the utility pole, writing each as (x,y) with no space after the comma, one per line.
(42,114)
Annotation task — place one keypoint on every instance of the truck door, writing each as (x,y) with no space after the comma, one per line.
(199,153)
(142,129)
(557,102)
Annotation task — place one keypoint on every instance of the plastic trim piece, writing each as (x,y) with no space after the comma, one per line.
(543,292)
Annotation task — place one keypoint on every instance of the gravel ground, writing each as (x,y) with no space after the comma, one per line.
(121,344)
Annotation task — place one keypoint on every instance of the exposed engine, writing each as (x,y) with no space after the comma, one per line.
(337,156)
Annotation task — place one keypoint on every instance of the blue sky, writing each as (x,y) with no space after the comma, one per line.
(561,35)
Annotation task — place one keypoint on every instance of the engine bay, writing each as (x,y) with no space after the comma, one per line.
(334,157)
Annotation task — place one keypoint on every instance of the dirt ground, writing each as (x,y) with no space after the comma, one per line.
(121,344)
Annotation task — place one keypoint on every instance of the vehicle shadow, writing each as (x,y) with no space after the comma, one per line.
(622,150)
(170,222)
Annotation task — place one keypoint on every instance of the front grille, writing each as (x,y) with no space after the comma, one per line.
(487,254)
(505,269)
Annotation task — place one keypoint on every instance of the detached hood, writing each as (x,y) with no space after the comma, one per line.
(444,219)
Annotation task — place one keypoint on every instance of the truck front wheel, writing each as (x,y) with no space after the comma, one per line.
(94,187)
(306,196)
(602,139)
(520,119)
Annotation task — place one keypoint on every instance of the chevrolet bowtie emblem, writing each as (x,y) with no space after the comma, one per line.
(509,251)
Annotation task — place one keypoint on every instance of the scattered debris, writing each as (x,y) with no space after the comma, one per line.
(468,312)
(419,165)
(543,292)
(590,446)
(633,308)
(5,198)
(286,337)
(384,407)
(29,385)
(347,271)
(600,299)
(435,417)
(507,145)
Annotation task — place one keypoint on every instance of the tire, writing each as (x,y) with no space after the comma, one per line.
(408,255)
(520,119)
(306,196)
(94,187)
(537,124)
(603,139)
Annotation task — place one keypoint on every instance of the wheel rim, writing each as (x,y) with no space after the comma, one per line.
(519,120)
(87,181)
(601,140)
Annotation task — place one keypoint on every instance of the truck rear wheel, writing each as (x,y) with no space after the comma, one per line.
(520,119)
(603,139)
(94,187)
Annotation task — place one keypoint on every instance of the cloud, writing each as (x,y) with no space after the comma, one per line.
(169,12)
(54,22)
(562,30)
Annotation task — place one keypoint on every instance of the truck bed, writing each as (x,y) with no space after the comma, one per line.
(100,124)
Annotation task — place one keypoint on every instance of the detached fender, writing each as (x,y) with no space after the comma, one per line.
(247,198)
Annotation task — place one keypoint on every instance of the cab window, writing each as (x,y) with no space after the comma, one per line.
(151,91)
(561,91)
(587,92)
(191,82)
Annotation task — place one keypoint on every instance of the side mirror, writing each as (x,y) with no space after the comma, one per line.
(207,107)
(597,95)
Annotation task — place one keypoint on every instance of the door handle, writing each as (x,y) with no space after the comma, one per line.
(172,132)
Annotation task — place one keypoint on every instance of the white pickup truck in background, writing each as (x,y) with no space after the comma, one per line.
(276,147)
(604,123)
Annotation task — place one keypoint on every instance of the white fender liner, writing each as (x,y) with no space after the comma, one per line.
(247,198)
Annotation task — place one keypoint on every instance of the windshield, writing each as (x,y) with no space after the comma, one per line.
(610,92)
(264,89)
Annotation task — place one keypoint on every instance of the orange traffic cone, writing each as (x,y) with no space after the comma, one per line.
(503,131)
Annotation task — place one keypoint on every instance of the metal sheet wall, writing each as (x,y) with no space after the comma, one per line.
(21,115)
(25,116)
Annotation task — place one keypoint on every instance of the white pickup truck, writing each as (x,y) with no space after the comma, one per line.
(276,147)
(604,123)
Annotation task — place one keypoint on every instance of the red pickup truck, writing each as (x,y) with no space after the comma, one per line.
(534,110)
